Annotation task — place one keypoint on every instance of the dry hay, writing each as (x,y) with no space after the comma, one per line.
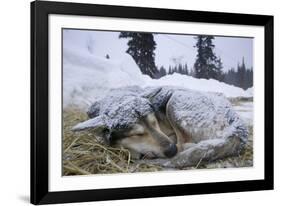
(84,155)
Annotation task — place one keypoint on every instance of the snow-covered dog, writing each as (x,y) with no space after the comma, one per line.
(183,125)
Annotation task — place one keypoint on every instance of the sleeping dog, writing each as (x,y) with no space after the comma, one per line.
(167,122)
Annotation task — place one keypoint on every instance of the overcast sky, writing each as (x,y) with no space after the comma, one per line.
(170,49)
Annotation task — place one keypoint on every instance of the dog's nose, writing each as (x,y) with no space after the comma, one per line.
(171,150)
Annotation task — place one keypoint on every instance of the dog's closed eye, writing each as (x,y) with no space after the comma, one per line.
(137,130)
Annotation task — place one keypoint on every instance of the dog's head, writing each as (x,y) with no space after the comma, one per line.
(132,124)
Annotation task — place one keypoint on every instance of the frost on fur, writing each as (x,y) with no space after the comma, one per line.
(216,130)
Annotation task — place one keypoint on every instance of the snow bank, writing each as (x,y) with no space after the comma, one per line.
(87,77)
(210,85)
(250,91)
(245,110)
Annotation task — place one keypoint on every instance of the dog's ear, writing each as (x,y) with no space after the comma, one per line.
(94,123)
(98,126)
(158,97)
(149,93)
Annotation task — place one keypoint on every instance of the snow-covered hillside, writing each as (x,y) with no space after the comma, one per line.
(87,77)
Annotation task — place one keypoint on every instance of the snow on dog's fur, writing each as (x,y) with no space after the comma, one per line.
(183,125)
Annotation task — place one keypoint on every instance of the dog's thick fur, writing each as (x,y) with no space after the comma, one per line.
(184,125)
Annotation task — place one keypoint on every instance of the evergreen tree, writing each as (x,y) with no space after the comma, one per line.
(141,48)
(219,73)
(170,70)
(207,65)
(192,72)
(175,69)
(185,69)
(242,75)
(180,69)
(162,72)
(250,77)
(200,63)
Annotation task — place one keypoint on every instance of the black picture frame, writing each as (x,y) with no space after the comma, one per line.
(40,110)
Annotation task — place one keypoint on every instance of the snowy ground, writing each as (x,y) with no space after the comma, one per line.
(245,110)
